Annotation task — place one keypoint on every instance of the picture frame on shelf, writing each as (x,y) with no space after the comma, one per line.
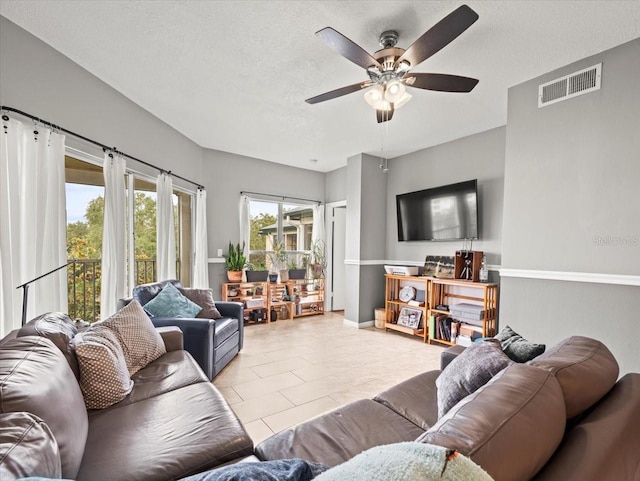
(410,317)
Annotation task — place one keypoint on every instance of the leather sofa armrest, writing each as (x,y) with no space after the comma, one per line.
(449,354)
(172,337)
(198,338)
(235,310)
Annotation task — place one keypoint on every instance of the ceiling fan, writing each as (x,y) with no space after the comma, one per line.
(389,68)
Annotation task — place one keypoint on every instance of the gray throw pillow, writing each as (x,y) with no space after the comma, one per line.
(204,298)
(171,303)
(469,372)
(517,347)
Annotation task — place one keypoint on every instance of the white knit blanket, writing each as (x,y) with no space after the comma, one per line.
(406,462)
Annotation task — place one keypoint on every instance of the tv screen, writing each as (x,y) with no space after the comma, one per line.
(449,212)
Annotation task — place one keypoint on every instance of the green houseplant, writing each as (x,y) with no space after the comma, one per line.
(235,262)
(279,260)
(256,272)
(318,261)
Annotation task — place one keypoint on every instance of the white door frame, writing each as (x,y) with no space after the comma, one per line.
(328,219)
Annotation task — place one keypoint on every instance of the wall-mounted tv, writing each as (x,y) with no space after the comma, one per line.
(448,212)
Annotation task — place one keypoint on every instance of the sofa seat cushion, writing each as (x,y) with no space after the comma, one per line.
(339,435)
(606,443)
(225,328)
(511,426)
(415,399)
(585,368)
(173,435)
(35,377)
(169,372)
(27,447)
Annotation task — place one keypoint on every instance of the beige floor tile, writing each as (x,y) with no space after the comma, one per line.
(229,394)
(365,390)
(231,376)
(284,419)
(277,367)
(257,408)
(261,386)
(258,431)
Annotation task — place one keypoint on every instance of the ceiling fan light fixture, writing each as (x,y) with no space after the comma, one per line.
(402,100)
(383,105)
(374,95)
(394,91)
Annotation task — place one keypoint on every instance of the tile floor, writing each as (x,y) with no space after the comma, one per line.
(291,371)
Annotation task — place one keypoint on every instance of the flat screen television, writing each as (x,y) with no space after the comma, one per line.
(448,212)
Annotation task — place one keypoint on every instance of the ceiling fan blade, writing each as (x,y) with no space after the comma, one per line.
(384,115)
(440,82)
(347,48)
(439,36)
(338,92)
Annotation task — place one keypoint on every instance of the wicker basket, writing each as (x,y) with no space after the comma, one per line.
(380,317)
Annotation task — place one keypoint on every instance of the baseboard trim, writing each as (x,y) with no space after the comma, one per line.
(592,277)
(358,325)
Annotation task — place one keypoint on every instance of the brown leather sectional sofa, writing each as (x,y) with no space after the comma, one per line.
(562,417)
(174,422)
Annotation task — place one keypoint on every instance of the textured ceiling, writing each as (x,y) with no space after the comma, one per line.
(233,75)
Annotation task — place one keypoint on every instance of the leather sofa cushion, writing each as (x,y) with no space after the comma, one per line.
(169,372)
(585,368)
(606,443)
(181,432)
(27,447)
(36,378)
(415,399)
(511,426)
(339,435)
(59,329)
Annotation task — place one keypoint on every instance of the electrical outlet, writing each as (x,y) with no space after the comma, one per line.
(219,252)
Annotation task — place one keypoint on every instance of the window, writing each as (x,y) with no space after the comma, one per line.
(272,222)
(85,216)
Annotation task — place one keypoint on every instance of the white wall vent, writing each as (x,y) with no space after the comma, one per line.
(572,85)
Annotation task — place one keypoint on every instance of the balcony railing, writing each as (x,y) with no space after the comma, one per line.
(84,282)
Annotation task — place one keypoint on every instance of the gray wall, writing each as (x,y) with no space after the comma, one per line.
(336,185)
(571,204)
(365,242)
(41,81)
(479,156)
(225,175)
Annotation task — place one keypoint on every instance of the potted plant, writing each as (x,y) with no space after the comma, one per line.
(294,272)
(279,260)
(256,272)
(318,262)
(235,262)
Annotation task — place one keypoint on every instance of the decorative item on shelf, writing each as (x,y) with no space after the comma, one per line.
(273,277)
(467,265)
(235,262)
(407,293)
(410,318)
(273,315)
(442,267)
(484,270)
(233,293)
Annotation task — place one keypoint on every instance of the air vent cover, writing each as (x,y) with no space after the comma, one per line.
(572,85)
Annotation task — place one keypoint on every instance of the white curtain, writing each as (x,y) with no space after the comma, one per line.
(318,230)
(201,255)
(114,237)
(166,229)
(32,221)
(245,228)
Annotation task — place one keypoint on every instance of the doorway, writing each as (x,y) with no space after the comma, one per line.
(336,214)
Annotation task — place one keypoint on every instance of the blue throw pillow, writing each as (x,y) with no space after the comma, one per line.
(171,303)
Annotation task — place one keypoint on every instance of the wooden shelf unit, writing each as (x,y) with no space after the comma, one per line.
(454,291)
(393,305)
(307,295)
(439,291)
(245,291)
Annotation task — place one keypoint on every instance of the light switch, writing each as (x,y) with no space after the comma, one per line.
(219,252)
